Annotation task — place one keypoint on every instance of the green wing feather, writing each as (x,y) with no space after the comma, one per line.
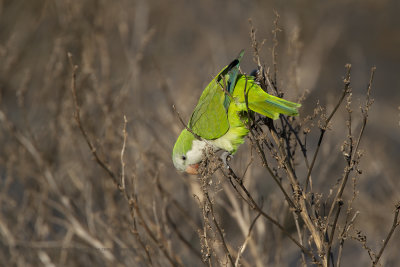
(232,71)
(209,119)
(220,116)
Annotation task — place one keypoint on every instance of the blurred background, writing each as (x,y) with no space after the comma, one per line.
(137,58)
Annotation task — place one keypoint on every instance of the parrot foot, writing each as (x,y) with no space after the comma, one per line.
(225,157)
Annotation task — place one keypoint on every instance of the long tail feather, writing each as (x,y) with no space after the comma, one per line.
(260,108)
(260,101)
(272,106)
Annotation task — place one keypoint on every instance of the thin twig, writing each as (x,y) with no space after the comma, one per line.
(243,247)
(301,198)
(255,46)
(261,151)
(274,47)
(172,260)
(296,221)
(352,161)
(219,230)
(394,226)
(346,228)
(184,125)
(135,233)
(164,192)
(223,87)
(125,135)
(302,146)
(182,238)
(302,209)
(330,241)
(345,91)
(132,200)
(206,249)
(251,202)
(78,121)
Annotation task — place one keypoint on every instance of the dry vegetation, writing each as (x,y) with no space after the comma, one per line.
(87,128)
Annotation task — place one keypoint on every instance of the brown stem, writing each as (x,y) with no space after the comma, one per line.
(394,226)
(345,91)
(84,133)
(251,202)
(330,241)
(352,161)
(261,152)
(219,230)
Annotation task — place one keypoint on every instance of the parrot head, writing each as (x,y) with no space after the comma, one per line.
(188,152)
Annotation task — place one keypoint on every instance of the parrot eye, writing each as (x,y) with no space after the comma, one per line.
(183,158)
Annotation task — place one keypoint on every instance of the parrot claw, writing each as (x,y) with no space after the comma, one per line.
(225,157)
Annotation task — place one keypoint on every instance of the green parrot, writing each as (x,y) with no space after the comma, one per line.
(220,116)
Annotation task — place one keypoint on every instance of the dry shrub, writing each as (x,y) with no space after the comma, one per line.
(86,174)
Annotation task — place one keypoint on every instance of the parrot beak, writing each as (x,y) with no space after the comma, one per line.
(192,169)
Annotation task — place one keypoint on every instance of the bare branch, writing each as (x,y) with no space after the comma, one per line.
(330,241)
(125,134)
(275,46)
(343,236)
(323,129)
(77,116)
(219,230)
(396,223)
(251,202)
(261,151)
(184,125)
(352,161)
(243,247)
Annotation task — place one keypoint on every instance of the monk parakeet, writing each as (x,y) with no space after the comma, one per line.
(220,116)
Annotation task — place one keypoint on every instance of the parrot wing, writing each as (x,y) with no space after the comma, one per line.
(209,119)
(232,71)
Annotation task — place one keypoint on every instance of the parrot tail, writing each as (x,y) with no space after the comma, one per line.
(272,106)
